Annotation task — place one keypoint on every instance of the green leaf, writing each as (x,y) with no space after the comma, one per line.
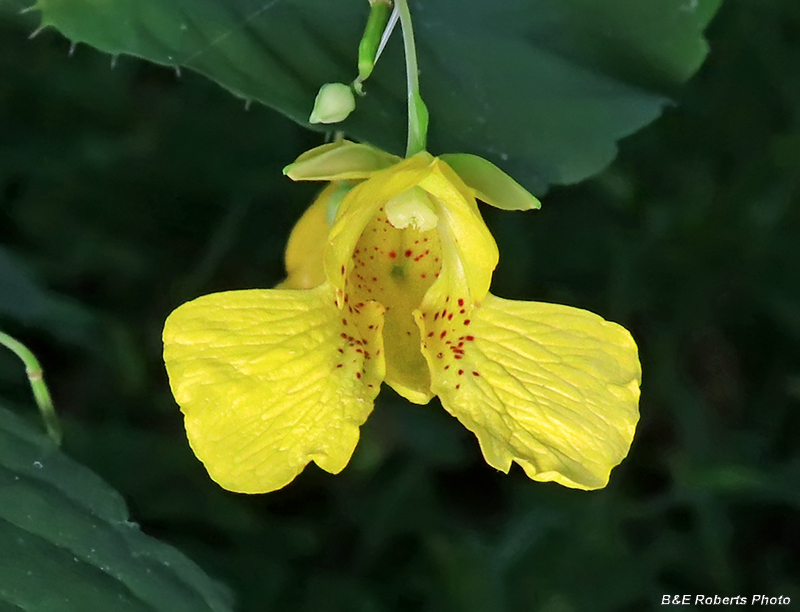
(66,541)
(543,89)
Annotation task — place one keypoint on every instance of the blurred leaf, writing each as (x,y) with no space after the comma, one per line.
(22,299)
(542,89)
(25,301)
(66,542)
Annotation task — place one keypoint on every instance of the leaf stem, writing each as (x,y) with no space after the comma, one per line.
(417,111)
(38,386)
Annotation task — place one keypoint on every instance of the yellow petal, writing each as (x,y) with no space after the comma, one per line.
(269,380)
(304,269)
(554,388)
(468,247)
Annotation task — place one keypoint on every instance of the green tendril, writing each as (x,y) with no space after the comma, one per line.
(38,386)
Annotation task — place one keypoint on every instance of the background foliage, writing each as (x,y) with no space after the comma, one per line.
(125,192)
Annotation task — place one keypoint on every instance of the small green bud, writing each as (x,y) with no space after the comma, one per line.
(335,101)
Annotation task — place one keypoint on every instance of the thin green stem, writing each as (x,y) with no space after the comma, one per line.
(417,111)
(379,15)
(38,386)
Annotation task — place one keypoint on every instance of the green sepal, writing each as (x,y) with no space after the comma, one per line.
(490,183)
(342,189)
(339,161)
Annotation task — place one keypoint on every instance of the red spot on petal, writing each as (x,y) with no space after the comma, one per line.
(458,386)
(430,335)
(458,356)
(469,338)
(358,374)
(343,335)
(344,321)
(447,367)
(440,355)
(460,302)
(460,372)
(443,334)
(339,366)
(475,373)
(409,252)
(450,317)
(342,269)
(466,321)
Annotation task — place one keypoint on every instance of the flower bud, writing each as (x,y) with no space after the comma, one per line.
(335,101)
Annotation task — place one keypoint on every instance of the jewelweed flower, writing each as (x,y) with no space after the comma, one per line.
(388,281)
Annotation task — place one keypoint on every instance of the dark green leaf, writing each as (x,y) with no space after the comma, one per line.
(66,541)
(543,89)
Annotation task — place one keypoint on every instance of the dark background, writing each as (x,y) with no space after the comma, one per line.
(126,191)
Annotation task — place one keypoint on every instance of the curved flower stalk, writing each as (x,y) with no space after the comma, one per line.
(388,281)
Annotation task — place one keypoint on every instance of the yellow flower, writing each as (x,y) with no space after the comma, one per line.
(396,290)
